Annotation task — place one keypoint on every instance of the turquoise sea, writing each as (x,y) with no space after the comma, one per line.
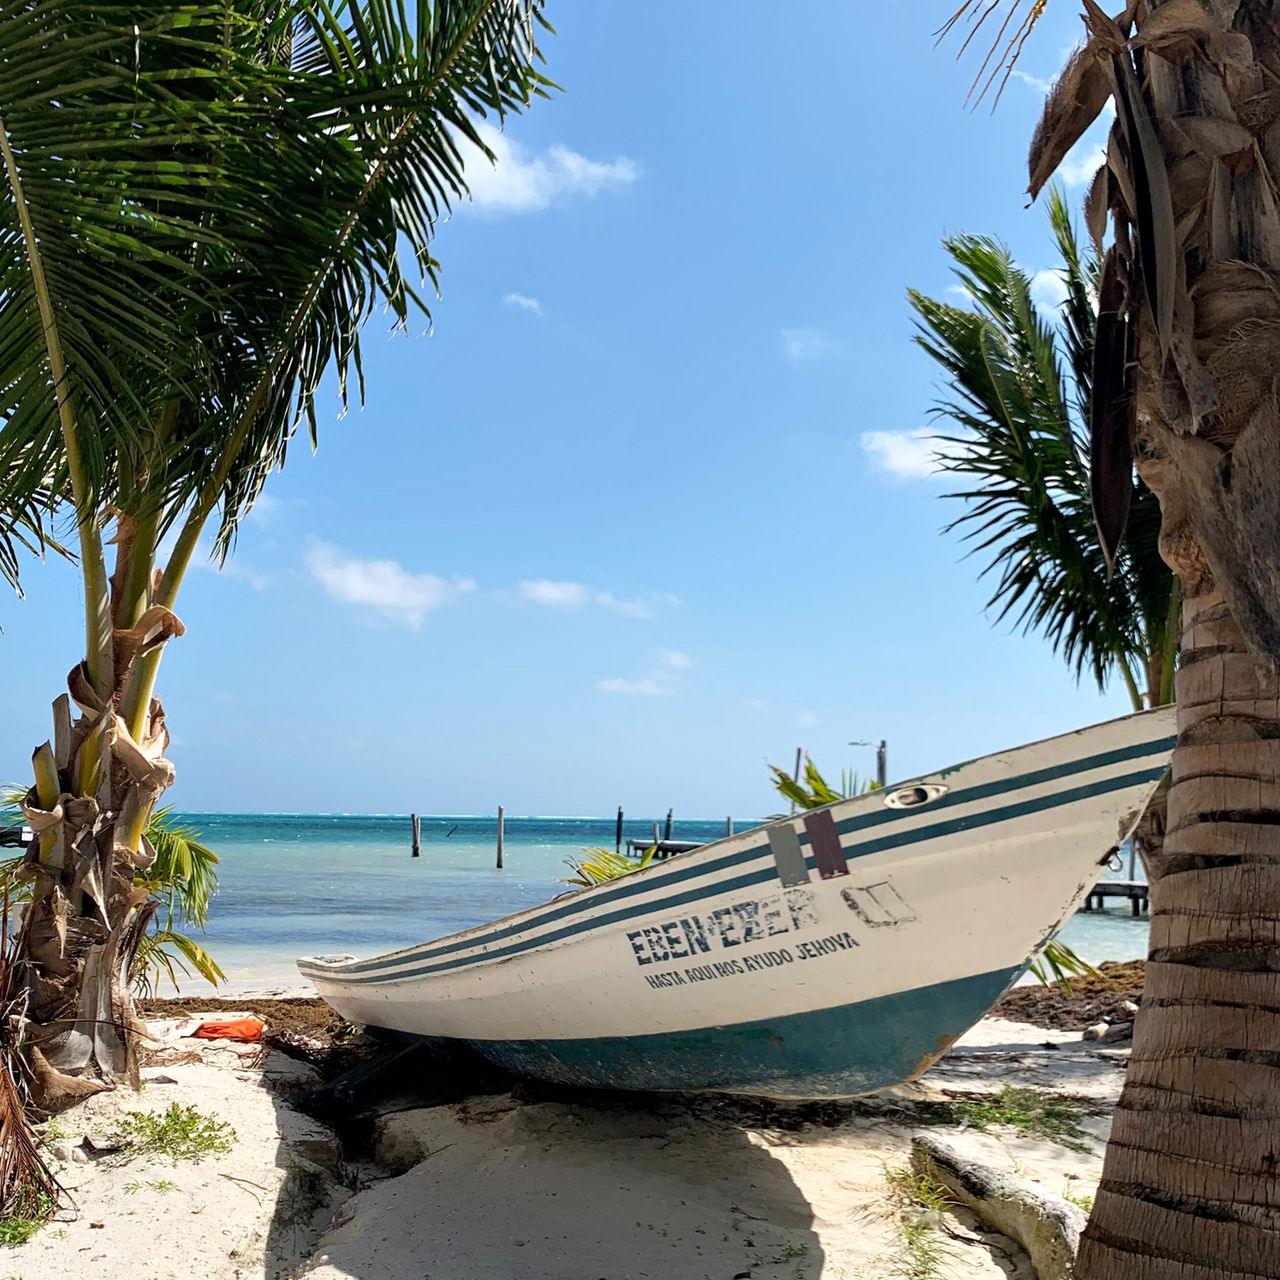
(306,884)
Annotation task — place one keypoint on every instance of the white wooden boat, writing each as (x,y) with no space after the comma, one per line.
(824,955)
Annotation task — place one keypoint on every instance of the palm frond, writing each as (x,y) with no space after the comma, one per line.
(1058,962)
(166,953)
(217,207)
(815,791)
(1007,40)
(183,872)
(599,866)
(1019,445)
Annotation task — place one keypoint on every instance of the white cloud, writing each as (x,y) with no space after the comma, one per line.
(1089,154)
(1038,83)
(649,687)
(522,302)
(1081,163)
(665,679)
(628,608)
(804,346)
(1048,289)
(264,507)
(522,181)
(257,581)
(905,455)
(208,563)
(572,596)
(382,586)
(554,595)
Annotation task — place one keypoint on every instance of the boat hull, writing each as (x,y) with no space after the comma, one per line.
(825,955)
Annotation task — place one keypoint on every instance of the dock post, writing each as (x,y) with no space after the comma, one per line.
(500,824)
(666,835)
(728,826)
(617,834)
(417,835)
(656,841)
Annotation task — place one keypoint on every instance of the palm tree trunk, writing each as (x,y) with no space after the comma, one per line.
(1189,1188)
(97,784)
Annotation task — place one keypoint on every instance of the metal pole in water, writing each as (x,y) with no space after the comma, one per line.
(666,835)
(500,824)
(655,835)
(617,835)
(882,764)
(728,826)
(417,835)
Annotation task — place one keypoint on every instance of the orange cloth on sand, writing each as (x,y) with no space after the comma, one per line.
(246,1029)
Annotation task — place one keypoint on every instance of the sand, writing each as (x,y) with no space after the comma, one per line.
(544,1184)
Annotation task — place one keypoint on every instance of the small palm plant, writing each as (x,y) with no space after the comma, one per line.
(599,866)
(814,790)
(179,884)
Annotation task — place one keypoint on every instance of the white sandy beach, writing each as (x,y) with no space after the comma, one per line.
(571,1190)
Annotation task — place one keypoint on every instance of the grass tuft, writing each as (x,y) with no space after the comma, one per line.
(1043,1115)
(19,1228)
(181,1133)
(924,1250)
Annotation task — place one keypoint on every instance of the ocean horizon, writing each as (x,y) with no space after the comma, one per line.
(297,884)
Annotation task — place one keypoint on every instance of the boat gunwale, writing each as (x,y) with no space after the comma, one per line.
(692,866)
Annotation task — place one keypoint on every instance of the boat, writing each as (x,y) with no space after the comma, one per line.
(822,955)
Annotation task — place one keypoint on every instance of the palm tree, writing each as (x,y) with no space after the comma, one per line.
(1187,346)
(187,244)
(1017,392)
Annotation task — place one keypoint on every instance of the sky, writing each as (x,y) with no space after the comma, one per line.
(649,504)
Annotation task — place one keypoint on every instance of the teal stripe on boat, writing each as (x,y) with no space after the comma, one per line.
(671,873)
(828,1053)
(988,789)
(384,969)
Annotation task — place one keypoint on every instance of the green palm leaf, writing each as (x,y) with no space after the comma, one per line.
(1018,447)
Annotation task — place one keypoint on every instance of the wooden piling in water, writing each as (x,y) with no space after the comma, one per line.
(617,835)
(500,824)
(666,834)
(728,826)
(417,835)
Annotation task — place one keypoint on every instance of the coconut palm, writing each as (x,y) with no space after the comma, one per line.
(1184,213)
(1016,394)
(187,244)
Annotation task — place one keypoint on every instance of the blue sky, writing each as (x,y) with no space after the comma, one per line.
(648,506)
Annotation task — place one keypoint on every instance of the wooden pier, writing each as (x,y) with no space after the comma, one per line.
(666,848)
(1134,890)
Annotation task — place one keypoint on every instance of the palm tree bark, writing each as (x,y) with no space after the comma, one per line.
(1190,1188)
(96,787)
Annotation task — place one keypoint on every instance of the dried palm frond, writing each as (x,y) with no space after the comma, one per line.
(28,1190)
(1006,45)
